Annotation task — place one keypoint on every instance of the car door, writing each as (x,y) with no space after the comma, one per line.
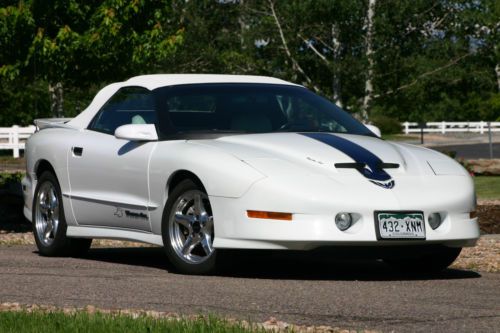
(109,176)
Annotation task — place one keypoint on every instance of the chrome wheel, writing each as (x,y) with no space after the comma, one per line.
(46,213)
(191,227)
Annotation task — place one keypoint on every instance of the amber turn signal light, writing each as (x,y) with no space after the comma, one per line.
(257,214)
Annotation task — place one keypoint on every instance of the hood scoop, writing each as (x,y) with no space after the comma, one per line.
(370,173)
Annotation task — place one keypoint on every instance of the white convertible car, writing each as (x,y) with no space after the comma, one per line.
(202,163)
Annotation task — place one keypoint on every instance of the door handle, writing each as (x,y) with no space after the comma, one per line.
(77,151)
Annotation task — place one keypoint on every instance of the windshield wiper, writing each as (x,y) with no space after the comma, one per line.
(298,128)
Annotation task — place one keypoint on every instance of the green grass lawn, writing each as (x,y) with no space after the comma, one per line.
(487,187)
(42,322)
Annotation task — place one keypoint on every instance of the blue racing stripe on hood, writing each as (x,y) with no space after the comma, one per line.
(373,165)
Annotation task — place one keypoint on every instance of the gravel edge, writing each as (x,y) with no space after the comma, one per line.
(484,257)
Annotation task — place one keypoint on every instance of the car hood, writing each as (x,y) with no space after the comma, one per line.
(335,155)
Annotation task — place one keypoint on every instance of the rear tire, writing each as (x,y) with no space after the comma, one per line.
(433,262)
(188,230)
(49,223)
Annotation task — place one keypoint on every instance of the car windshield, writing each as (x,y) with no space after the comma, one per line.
(251,108)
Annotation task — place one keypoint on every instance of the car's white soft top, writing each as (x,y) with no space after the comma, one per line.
(160,80)
(155,81)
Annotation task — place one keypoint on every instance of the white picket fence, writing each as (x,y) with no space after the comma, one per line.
(444,127)
(14,138)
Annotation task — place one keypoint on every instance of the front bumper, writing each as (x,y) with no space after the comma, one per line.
(314,209)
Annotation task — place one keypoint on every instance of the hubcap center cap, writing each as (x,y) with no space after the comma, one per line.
(196,226)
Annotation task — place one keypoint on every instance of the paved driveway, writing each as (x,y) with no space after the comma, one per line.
(301,290)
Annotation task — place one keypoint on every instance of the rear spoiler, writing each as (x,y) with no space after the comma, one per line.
(51,123)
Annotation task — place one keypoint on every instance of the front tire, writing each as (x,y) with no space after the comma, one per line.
(188,229)
(49,223)
(433,262)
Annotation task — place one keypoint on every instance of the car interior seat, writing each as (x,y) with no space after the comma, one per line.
(137,119)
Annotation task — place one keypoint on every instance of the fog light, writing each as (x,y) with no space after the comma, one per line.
(343,221)
(435,220)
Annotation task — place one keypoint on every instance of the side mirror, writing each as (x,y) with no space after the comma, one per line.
(137,132)
(375,130)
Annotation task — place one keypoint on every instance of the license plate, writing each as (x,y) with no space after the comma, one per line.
(401,225)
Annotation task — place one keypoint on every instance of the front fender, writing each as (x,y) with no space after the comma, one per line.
(222,174)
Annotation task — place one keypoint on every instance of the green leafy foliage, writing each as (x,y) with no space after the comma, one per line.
(387,125)
(10,178)
(22,101)
(433,60)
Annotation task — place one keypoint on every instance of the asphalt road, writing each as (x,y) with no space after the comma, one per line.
(471,151)
(297,290)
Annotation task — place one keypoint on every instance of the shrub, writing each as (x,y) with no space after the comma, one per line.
(387,125)
(10,178)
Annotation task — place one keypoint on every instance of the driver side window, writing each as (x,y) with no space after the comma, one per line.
(129,105)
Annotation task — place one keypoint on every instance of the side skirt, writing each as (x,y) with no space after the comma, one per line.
(114,233)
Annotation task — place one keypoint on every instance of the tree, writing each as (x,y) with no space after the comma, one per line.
(77,43)
(111,40)
(402,60)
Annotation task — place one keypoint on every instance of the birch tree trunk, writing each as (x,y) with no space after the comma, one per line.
(295,65)
(56,99)
(242,24)
(336,87)
(369,55)
(497,71)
